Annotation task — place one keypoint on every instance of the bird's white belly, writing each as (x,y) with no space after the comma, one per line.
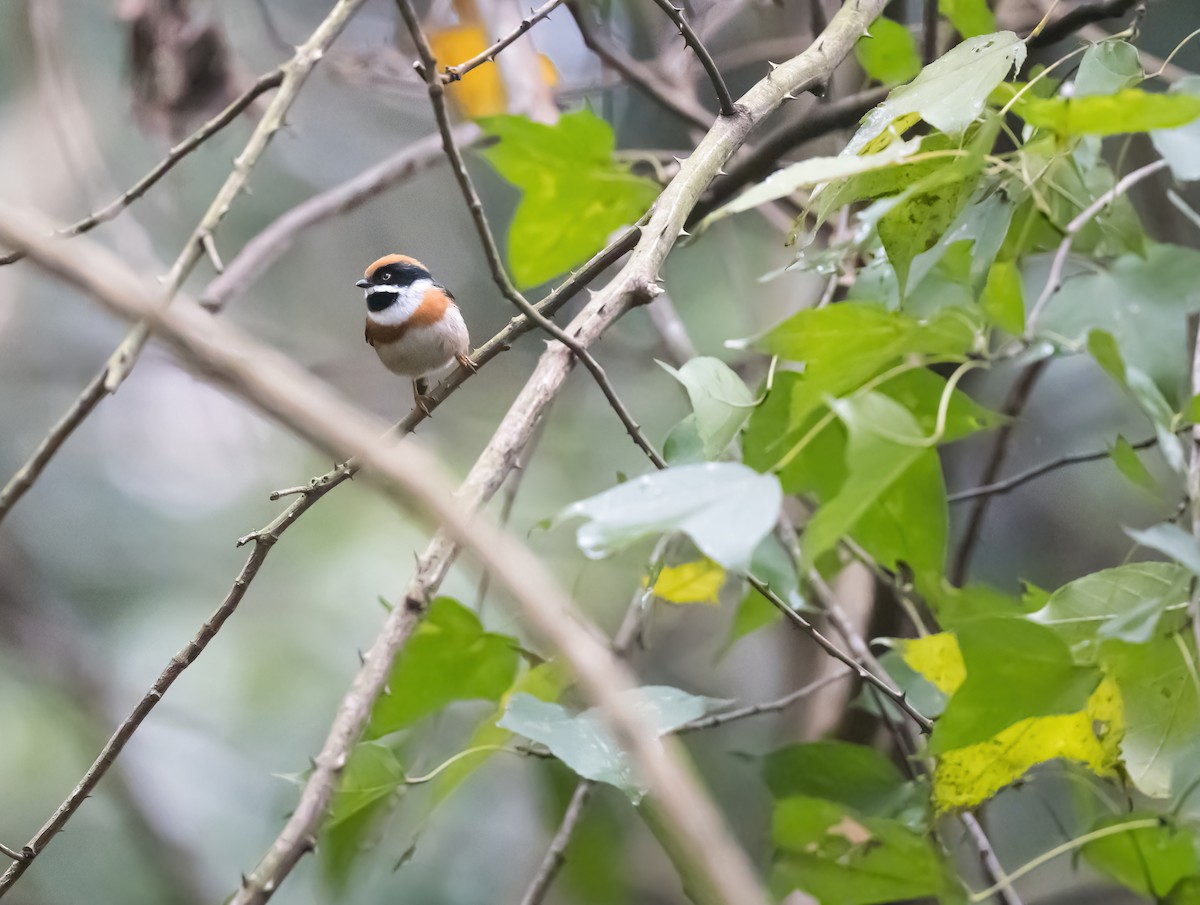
(424,349)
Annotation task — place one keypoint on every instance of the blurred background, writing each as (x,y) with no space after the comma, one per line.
(126,544)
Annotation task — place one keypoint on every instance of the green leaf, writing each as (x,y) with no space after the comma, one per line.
(815,171)
(893,498)
(683,445)
(1172,540)
(754,612)
(951,92)
(842,346)
(726,508)
(583,742)
(920,218)
(852,775)
(1079,612)
(449,658)
(1158,684)
(573,194)
(1015,670)
(1004,299)
(1103,348)
(372,776)
(888,52)
(544,682)
(720,400)
(1180,146)
(969,17)
(1148,860)
(1107,68)
(1130,110)
(841,860)
(1126,459)
(1142,302)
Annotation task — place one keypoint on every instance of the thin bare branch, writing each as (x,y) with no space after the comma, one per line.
(1014,404)
(724,98)
(1077,17)
(264,84)
(11,853)
(437,97)
(293,74)
(269,245)
(558,845)
(637,73)
(455,73)
(741,713)
(1054,280)
(1017,480)
(929,31)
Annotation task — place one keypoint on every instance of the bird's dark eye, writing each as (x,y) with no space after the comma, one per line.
(386,277)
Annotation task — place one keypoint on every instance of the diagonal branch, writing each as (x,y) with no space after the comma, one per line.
(294,73)
(724,98)
(437,97)
(1017,480)
(236,107)
(455,73)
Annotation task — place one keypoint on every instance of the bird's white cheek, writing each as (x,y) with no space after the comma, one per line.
(407,300)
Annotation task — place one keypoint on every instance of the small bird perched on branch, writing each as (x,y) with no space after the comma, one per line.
(412,321)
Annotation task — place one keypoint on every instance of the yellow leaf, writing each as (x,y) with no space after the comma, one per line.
(938,659)
(480,92)
(967,776)
(691,582)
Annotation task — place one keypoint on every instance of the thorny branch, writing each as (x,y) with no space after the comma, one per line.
(724,98)
(455,73)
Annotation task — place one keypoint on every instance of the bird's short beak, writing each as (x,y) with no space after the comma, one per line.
(363,284)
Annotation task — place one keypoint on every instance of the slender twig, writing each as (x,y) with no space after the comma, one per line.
(637,73)
(896,696)
(293,75)
(11,853)
(724,98)
(1077,17)
(454,73)
(270,244)
(987,856)
(1059,850)
(1193,481)
(1054,279)
(553,858)
(109,753)
(741,713)
(1014,404)
(437,98)
(264,84)
(408,475)
(1017,480)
